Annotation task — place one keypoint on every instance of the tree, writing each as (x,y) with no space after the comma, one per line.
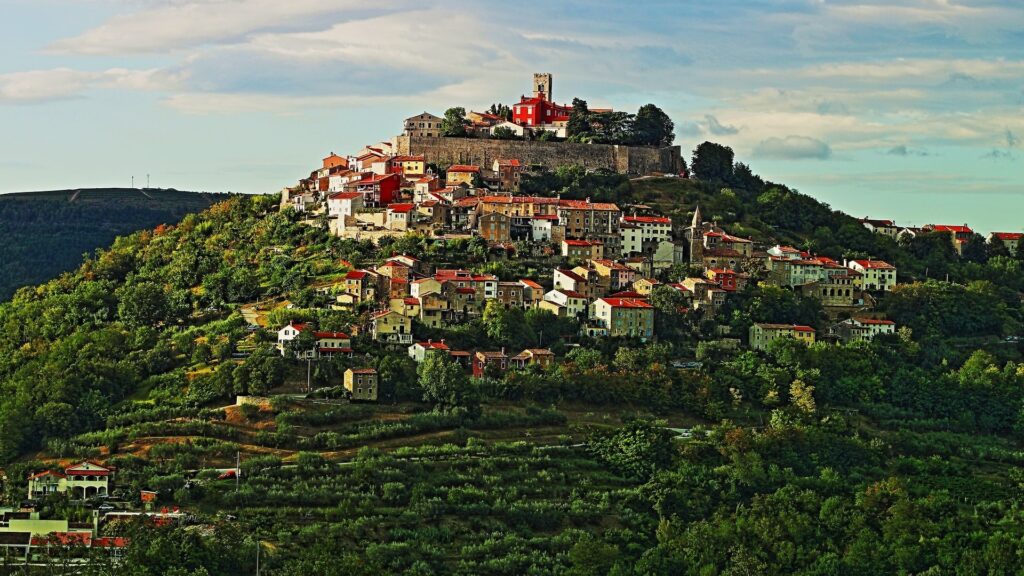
(142,304)
(454,123)
(445,384)
(501,110)
(638,449)
(1019,252)
(974,249)
(652,127)
(579,119)
(504,133)
(712,162)
(669,312)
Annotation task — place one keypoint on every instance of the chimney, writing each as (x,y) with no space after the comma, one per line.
(502,350)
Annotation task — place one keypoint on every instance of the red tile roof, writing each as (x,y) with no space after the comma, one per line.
(433,345)
(401,208)
(338,335)
(648,220)
(356,275)
(1008,235)
(874,264)
(463,168)
(584,205)
(873,321)
(344,196)
(954,229)
(625,303)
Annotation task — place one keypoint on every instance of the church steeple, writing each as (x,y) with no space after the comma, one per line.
(696,237)
(697,219)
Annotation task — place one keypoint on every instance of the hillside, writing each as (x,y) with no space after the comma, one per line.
(46,233)
(900,454)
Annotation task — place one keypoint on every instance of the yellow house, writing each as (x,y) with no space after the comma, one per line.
(391,327)
(645,286)
(763,334)
(83,480)
(876,275)
(362,383)
(461,174)
(411,165)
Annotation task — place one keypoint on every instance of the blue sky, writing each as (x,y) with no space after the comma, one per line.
(906,109)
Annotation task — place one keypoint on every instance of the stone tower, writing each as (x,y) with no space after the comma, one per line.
(542,86)
(696,237)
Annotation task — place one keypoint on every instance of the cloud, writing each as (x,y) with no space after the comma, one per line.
(1011,139)
(38,86)
(716,128)
(793,148)
(179,25)
(904,150)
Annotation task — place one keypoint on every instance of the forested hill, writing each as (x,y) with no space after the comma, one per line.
(46,233)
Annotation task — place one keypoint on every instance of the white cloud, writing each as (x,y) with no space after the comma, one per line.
(793,148)
(64,83)
(178,24)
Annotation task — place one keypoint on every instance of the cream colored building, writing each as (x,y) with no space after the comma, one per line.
(763,334)
(362,383)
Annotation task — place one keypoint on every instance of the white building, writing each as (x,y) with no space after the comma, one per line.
(638,231)
(854,329)
(876,275)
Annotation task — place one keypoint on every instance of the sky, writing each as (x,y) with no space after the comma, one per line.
(904,109)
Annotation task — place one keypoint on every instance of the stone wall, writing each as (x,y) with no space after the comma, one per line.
(633,160)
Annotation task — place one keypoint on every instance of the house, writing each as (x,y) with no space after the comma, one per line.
(540,357)
(958,234)
(510,294)
(400,216)
(580,250)
(419,350)
(423,125)
(545,228)
(726,279)
(565,303)
(362,384)
(508,173)
(1009,239)
(573,281)
(360,286)
(594,221)
(390,327)
(883,227)
(640,234)
(489,361)
(716,240)
(83,480)
(533,293)
(461,174)
(495,227)
(334,161)
(435,309)
(344,204)
(644,286)
(409,166)
(406,306)
(613,275)
(326,344)
(418,288)
(763,334)
(540,111)
(623,317)
(857,329)
(876,275)
(377,189)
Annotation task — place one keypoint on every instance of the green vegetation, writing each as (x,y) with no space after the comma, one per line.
(45,233)
(897,456)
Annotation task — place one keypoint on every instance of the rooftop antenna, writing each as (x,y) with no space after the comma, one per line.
(133,181)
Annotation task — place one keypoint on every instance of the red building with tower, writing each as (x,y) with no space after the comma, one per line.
(539,109)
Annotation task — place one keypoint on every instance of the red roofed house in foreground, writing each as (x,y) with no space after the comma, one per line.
(853,329)
(82,480)
(326,344)
(624,317)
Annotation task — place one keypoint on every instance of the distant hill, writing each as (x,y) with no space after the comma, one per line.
(45,233)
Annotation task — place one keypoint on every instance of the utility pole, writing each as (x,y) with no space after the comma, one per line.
(133,182)
(258,556)
(147,181)
(309,374)
(238,468)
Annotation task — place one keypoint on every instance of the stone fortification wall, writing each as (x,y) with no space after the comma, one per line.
(633,160)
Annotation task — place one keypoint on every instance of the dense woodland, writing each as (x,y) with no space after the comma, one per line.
(46,233)
(898,456)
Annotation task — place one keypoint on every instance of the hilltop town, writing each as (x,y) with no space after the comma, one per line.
(496,344)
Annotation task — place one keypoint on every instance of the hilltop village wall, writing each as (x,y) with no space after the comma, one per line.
(634,160)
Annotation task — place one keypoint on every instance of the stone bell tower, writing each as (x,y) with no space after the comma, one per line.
(542,86)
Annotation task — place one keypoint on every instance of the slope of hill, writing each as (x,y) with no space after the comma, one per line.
(898,455)
(46,233)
